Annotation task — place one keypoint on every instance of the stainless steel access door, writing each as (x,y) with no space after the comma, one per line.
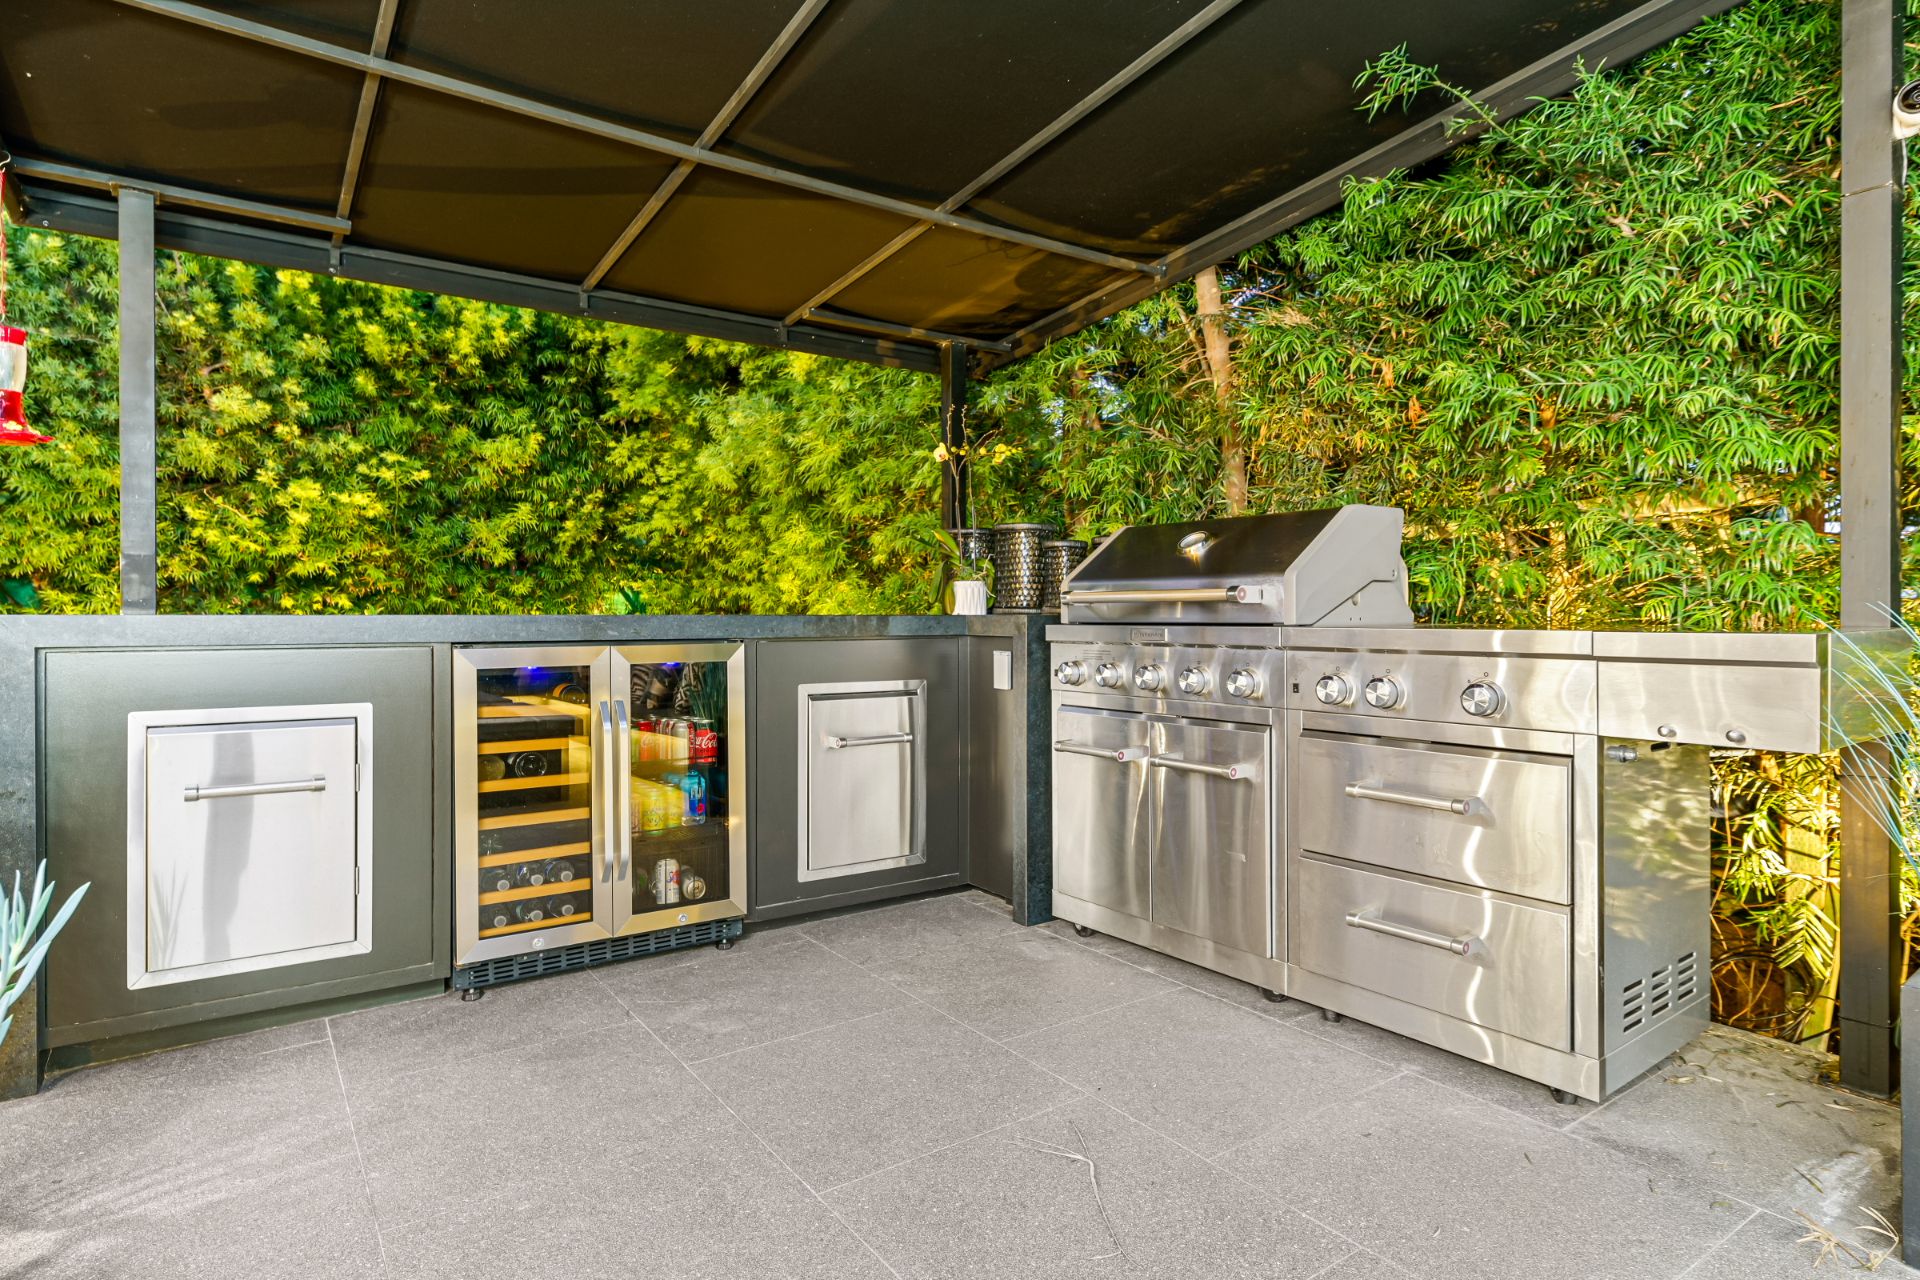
(1100,829)
(249,838)
(862,758)
(1212,786)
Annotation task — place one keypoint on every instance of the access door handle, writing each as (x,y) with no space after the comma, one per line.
(607,762)
(1124,755)
(1444,804)
(317,782)
(1231,772)
(840,744)
(1463,945)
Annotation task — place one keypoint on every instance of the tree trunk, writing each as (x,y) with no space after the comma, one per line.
(1217,350)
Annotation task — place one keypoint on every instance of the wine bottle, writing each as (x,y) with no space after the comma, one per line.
(497,916)
(496,879)
(562,907)
(559,871)
(529,911)
(530,874)
(527,764)
(492,768)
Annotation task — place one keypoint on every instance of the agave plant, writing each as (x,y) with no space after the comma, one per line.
(20,952)
(1872,713)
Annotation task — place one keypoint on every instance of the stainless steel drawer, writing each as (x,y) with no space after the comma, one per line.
(1493,819)
(1468,954)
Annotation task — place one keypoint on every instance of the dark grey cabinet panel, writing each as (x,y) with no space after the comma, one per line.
(86,699)
(778,884)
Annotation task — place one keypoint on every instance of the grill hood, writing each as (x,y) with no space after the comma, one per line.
(1337,567)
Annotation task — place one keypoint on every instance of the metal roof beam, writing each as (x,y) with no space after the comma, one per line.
(316,254)
(1152,58)
(581,122)
(1625,38)
(722,121)
(363,114)
(913,332)
(232,206)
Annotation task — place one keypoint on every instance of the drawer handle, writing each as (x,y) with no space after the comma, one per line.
(841,744)
(1361,791)
(317,782)
(1231,772)
(1464,945)
(1125,755)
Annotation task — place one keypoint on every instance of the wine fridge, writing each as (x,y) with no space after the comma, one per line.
(600,793)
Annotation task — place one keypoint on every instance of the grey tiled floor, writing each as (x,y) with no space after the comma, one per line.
(919,1090)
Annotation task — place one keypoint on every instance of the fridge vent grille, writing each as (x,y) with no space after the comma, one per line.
(1660,992)
(535,964)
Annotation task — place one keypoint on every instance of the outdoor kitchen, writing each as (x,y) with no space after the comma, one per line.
(810,638)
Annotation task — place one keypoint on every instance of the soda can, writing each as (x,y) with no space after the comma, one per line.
(666,881)
(703,741)
(677,731)
(693,790)
(644,747)
(692,887)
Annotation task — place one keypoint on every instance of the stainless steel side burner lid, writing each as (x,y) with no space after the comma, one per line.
(1337,567)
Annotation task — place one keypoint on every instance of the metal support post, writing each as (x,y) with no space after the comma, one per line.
(139,552)
(955,503)
(1872,176)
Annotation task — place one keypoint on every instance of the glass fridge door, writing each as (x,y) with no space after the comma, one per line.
(682,820)
(531,770)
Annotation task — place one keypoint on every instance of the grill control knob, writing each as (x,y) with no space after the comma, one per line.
(1072,671)
(1195,681)
(1384,693)
(1483,698)
(1243,683)
(1333,689)
(1149,679)
(1107,676)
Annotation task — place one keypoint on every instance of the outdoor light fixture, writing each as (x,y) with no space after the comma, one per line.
(13,351)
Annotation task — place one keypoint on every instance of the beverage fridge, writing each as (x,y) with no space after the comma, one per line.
(600,793)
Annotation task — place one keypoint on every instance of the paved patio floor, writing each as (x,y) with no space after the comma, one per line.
(919,1090)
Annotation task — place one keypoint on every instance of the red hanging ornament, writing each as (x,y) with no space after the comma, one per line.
(13,354)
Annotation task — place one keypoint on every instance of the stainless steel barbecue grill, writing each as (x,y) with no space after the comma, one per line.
(1493,841)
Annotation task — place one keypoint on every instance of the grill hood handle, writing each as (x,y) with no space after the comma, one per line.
(1168,595)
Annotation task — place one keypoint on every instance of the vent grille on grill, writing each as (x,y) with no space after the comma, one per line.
(580,955)
(1660,992)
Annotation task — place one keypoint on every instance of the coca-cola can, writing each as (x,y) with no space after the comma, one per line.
(703,740)
(666,881)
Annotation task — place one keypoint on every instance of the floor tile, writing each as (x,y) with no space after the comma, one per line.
(1443,1184)
(1218,985)
(1202,1072)
(1749,1114)
(1012,1203)
(1008,986)
(1361,1265)
(1773,1248)
(719,1209)
(769,986)
(241,1165)
(400,1047)
(839,1103)
(881,935)
(534,1120)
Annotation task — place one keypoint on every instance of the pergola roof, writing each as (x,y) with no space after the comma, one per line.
(865,178)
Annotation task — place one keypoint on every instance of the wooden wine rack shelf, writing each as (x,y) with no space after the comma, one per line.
(536,782)
(579,884)
(540,708)
(582,848)
(531,744)
(530,925)
(535,817)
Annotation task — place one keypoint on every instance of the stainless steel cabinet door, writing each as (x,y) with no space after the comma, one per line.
(1100,835)
(1212,873)
(861,802)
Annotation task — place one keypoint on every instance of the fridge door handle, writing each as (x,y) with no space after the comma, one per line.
(606,818)
(620,791)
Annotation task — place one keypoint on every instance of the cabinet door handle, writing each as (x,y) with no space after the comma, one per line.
(317,782)
(607,759)
(1464,945)
(1444,804)
(621,792)
(1124,755)
(1231,772)
(840,744)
